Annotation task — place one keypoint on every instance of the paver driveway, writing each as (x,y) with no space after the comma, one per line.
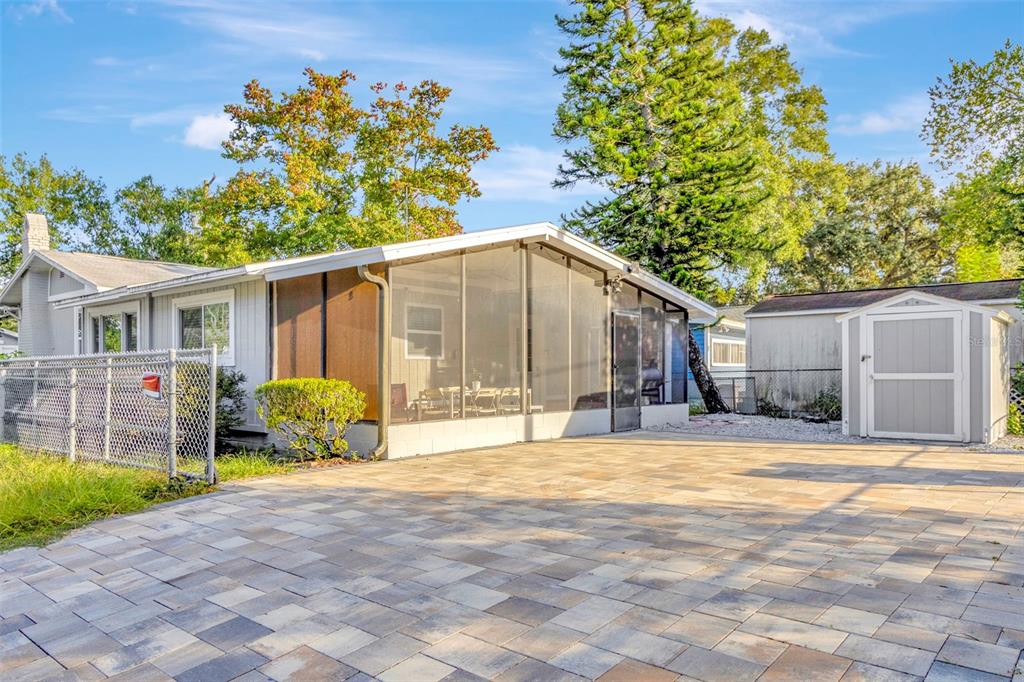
(640,557)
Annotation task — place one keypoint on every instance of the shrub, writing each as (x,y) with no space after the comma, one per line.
(230,405)
(1014,421)
(312,415)
(827,404)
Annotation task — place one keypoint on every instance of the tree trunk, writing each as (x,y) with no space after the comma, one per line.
(713,402)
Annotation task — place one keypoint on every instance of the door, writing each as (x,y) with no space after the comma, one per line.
(915,375)
(625,371)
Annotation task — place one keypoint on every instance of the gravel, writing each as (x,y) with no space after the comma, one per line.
(1006,443)
(757,426)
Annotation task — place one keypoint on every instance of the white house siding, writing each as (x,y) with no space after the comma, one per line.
(63,285)
(252,351)
(35,326)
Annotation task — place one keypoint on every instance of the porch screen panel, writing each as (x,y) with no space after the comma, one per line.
(677,357)
(652,349)
(352,331)
(549,329)
(589,357)
(494,332)
(298,303)
(426,341)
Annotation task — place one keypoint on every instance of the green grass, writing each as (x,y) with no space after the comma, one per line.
(250,464)
(42,497)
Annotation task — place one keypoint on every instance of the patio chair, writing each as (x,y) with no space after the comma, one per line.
(432,404)
(653,386)
(484,402)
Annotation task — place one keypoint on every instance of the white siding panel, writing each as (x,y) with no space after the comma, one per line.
(796,342)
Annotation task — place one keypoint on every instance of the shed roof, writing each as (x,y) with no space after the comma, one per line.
(996,290)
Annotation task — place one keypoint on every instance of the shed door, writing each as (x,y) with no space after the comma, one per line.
(915,375)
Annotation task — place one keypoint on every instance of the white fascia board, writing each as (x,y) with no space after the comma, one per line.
(26,264)
(165,286)
(791,313)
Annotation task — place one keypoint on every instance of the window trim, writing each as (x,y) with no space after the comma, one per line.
(408,330)
(122,309)
(728,342)
(226,356)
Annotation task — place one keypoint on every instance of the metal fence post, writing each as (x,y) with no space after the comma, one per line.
(790,401)
(36,440)
(3,404)
(211,430)
(172,414)
(107,405)
(73,416)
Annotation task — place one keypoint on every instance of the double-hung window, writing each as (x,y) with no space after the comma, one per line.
(205,320)
(424,331)
(728,352)
(114,329)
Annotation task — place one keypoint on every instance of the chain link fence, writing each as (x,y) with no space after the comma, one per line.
(150,409)
(791,393)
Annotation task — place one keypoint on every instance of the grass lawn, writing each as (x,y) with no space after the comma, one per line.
(43,497)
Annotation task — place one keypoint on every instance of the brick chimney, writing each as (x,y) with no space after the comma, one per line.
(36,234)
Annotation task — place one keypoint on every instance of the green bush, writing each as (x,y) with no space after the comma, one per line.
(1014,421)
(312,415)
(230,405)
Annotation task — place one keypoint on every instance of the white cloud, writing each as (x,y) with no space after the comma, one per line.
(904,114)
(208,131)
(37,8)
(524,173)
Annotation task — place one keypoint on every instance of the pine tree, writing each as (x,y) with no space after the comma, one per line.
(650,115)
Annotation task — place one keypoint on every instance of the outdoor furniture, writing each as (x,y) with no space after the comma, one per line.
(483,401)
(433,404)
(653,386)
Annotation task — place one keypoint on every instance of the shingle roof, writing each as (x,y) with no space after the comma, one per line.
(108,272)
(848,300)
(736,313)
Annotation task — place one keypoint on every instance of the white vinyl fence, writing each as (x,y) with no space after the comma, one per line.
(150,409)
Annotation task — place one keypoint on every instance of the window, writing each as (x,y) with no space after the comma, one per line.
(205,320)
(728,352)
(114,329)
(424,331)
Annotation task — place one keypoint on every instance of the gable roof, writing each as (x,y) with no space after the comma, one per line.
(108,272)
(97,272)
(424,248)
(997,290)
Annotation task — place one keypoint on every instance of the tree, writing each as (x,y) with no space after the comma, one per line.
(75,205)
(650,115)
(155,223)
(786,119)
(317,173)
(976,123)
(888,235)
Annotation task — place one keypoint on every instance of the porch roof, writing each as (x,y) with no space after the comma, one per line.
(426,248)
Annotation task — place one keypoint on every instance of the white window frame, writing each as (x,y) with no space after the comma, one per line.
(122,309)
(408,330)
(225,356)
(728,342)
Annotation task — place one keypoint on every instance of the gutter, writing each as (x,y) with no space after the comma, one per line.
(383,359)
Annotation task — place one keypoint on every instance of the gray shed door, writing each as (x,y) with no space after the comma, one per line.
(915,375)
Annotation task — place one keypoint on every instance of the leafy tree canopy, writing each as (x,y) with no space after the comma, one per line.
(318,173)
(651,115)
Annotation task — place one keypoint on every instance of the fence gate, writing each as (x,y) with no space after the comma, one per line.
(151,409)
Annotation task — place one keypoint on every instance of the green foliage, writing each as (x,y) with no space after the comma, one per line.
(312,415)
(251,464)
(1014,421)
(231,405)
(652,116)
(42,497)
(828,404)
(887,235)
(74,204)
(318,173)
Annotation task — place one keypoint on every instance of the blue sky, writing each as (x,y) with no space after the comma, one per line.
(125,89)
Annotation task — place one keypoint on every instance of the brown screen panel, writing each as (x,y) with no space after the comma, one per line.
(352,333)
(298,304)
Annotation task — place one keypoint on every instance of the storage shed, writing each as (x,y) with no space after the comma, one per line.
(921,366)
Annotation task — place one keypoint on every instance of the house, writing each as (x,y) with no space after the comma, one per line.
(929,361)
(491,337)
(8,341)
(723,344)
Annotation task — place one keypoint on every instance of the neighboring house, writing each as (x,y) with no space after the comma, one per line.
(974,336)
(8,341)
(723,344)
(491,337)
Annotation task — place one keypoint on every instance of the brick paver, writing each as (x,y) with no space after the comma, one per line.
(645,556)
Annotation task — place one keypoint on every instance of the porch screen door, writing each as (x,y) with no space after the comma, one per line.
(625,371)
